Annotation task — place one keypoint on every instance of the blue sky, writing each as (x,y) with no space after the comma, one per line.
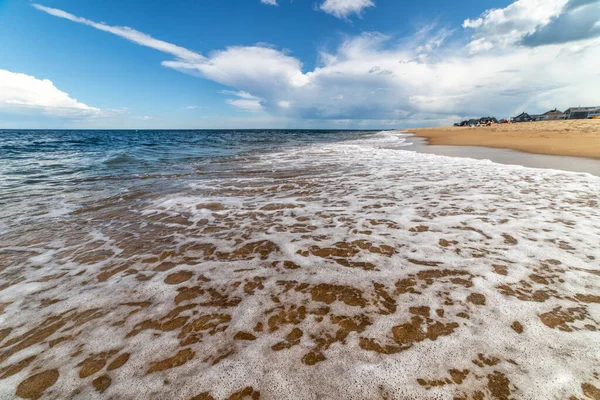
(291,64)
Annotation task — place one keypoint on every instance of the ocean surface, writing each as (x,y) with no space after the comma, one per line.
(56,171)
(290,264)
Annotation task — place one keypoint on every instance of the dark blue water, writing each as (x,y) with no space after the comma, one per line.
(44,170)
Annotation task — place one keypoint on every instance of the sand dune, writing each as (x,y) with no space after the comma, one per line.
(564,138)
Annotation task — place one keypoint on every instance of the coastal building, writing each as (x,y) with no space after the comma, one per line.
(477,122)
(551,115)
(582,112)
(523,117)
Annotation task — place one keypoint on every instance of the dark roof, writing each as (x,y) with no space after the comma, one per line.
(580,109)
(553,112)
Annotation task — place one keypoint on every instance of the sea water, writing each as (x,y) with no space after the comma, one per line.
(290,264)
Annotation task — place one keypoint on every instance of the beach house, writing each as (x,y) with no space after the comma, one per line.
(582,112)
(551,115)
(523,117)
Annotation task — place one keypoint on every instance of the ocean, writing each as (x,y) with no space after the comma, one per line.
(290,264)
(67,169)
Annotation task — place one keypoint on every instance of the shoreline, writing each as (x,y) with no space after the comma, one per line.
(508,156)
(573,138)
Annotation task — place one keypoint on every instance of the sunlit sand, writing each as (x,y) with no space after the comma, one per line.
(563,138)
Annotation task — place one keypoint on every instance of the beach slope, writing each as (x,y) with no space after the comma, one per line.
(579,138)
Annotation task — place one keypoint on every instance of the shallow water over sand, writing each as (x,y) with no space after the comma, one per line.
(349,269)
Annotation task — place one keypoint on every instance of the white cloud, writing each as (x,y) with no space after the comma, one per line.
(245,101)
(26,94)
(270,2)
(246,95)
(579,20)
(240,94)
(479,45)
(424,79)
(246,105)
(129,34)
(430,37)
(247,68)
(504,27)
(345,8)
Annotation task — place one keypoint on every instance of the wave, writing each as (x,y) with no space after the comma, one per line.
(120,159)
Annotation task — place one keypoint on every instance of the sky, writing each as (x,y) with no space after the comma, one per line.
(335,64)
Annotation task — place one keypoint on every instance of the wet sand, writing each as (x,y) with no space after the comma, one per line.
(509,157)
(578,138)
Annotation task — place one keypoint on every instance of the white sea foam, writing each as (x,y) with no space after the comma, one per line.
(388,230)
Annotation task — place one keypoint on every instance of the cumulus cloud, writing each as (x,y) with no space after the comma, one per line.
(580,20)
(21,93)
(534,23)
(479,45)
(270,2)
(248,67)
(423,79)
(503,27)
(345,8)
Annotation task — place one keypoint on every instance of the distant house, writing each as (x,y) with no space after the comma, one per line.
(554,115)
(486,120)
(582,112)
(477,121)
(551,115)
(523,117)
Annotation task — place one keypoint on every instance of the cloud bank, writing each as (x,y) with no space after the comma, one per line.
(502,62)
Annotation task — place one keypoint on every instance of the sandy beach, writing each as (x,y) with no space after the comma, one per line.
(580,138)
